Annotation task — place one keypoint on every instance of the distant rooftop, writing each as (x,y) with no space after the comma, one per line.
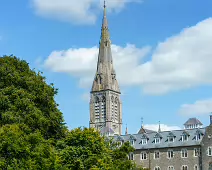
(143,130)
(193,121)
(167,139)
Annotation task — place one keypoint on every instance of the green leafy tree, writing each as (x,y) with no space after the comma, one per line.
(84,148)
(26,98)
(20,150)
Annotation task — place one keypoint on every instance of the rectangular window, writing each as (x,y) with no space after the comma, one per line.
(196,152)
(210,151)
(131,142)
(143,141)
(157,140)
(170,154)
(143,156)
(171,139)
(157,155)
(184,167)
(131,156)
(185,137)
(198,136)
(184,153)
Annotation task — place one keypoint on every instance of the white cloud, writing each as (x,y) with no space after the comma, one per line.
(162,126)
(76,11)
(181,61)
(82,62)
(200,107)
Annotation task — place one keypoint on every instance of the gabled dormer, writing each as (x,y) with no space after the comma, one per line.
(171,137)
(198,134)
(144,139)
(157,138)
(132,140)
(120,140)
(184,137)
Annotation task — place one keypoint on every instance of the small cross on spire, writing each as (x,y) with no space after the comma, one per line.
(141,122)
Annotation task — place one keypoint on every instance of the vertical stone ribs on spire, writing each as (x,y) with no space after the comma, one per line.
(105,78)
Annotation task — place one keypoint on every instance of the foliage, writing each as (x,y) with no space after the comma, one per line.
(22,150)
(84,148)
(26,98)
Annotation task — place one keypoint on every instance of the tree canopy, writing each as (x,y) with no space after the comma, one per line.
(25,98)
(33,134)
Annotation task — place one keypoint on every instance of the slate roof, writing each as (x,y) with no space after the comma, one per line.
(192,121)
(106,129)
(164,143)
(143,130)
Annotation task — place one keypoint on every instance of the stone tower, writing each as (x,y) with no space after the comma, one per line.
(105,103)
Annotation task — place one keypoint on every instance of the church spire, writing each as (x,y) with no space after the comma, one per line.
(105,102)
(105,78)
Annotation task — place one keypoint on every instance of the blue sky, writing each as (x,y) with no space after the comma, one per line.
(161,49)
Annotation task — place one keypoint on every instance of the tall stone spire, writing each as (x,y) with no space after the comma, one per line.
(105,103)
(105,74)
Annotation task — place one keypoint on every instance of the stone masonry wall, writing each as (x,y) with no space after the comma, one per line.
(163,162)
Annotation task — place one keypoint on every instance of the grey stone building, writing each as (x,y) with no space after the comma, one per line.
(186,149)
(105,102)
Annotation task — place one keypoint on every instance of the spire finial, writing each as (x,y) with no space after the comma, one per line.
(104,4)
(142,122)
(126,131)
(159,129)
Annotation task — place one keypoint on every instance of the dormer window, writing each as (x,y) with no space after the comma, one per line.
(132,142)
(171,138)
(198,135)
(143,141)
(185,136)
(157,140)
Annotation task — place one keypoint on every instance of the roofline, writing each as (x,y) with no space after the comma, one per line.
(165,131)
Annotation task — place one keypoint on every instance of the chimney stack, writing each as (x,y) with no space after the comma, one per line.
(211,119)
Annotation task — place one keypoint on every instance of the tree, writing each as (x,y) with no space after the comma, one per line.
(84,148)
(25,98)
(22,150)
(30,122)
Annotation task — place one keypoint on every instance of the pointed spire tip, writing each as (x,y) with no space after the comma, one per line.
(104,4)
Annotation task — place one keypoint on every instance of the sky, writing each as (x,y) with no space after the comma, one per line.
(162,52)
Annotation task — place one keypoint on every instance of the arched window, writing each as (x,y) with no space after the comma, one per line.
(196,167)
(99,79)
(157,168)
(116,109)
(103,108)
(97,109)
(112,108)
